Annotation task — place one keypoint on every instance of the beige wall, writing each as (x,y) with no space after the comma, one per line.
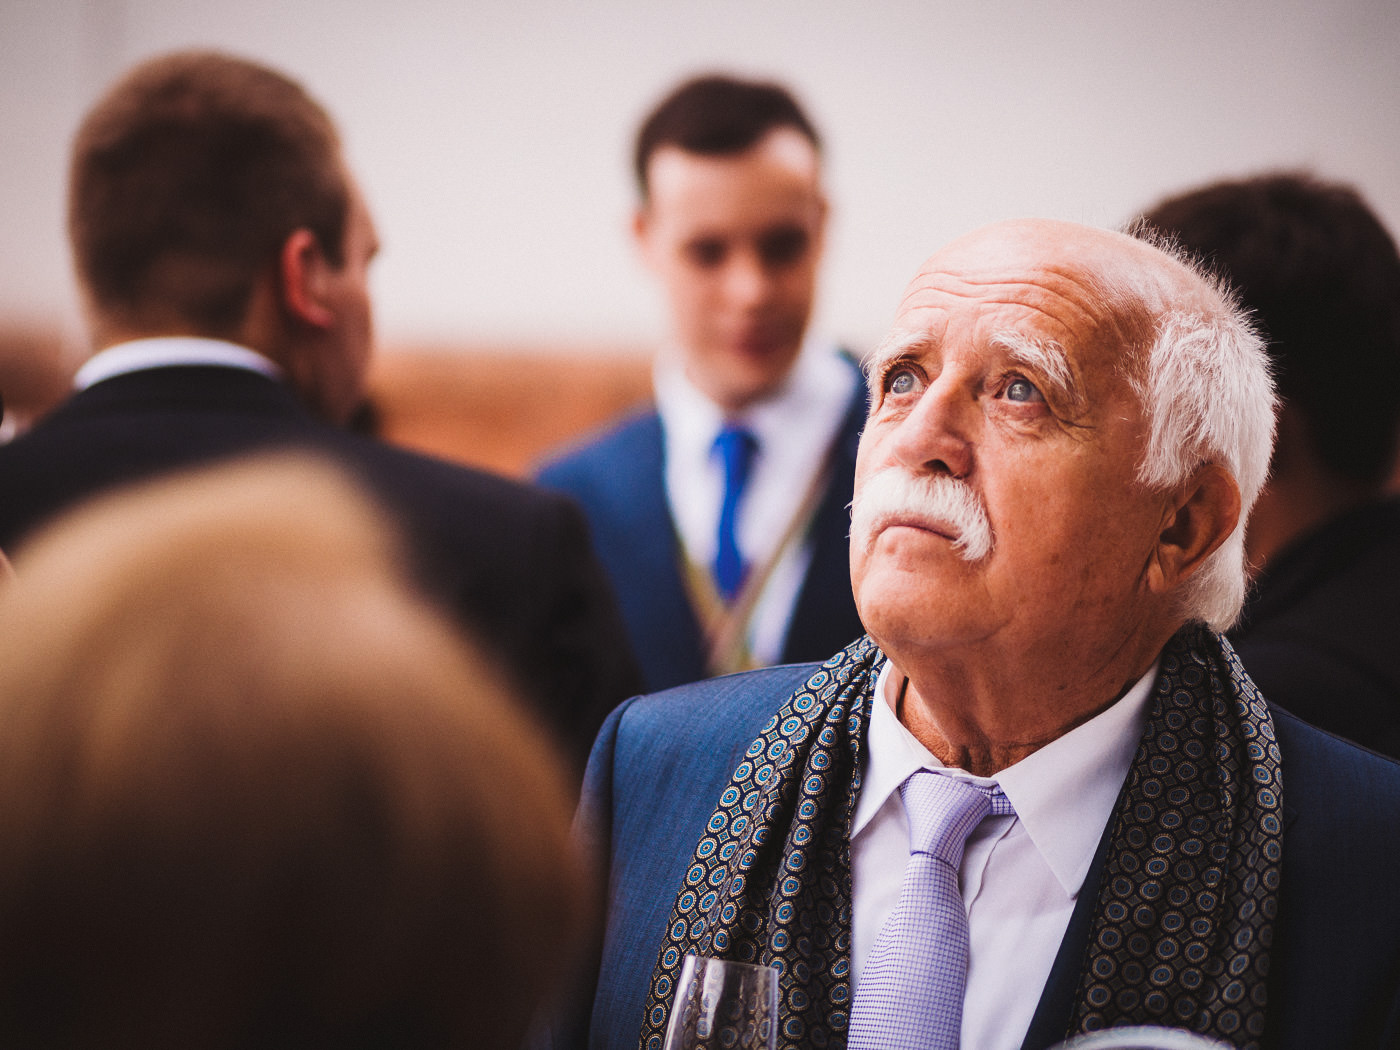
(492,134)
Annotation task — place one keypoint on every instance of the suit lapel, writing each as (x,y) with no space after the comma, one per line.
(667,633)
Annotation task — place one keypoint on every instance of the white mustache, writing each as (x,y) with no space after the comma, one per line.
(939,503)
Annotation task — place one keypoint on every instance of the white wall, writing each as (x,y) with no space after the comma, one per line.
(492,135)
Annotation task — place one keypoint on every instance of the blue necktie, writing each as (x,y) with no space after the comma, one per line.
(736,447)
(910,995)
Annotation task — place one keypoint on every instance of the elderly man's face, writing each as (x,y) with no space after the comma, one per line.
(1010,391)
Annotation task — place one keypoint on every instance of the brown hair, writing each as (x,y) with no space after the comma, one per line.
(717,115)
(255,793)
(186,179)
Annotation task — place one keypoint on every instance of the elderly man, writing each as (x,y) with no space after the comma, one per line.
(1042,796)
(721,516)
(223,249)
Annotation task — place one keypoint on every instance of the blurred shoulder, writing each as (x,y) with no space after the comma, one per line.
(428,479)
(627,441)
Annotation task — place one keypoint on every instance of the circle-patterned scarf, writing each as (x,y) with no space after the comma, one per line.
(1185,911)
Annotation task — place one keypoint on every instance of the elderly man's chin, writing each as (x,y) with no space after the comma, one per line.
(906,616)
(908,574)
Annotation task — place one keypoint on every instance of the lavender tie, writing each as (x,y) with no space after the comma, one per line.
(910,995)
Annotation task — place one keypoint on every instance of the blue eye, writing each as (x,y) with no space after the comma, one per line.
(900,381)
(1022,390)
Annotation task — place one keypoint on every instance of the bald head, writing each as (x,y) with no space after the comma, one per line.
(1080,276)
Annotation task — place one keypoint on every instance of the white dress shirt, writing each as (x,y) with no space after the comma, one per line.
(1020,875)
(164,351)
(795,429)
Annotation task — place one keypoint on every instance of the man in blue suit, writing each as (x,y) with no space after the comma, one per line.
(721,516)
(1041,796)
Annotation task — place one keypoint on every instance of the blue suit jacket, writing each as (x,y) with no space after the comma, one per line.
(661,762)
(619,481)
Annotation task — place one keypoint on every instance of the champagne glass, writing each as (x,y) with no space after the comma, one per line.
(1143,1037)
(723,1005)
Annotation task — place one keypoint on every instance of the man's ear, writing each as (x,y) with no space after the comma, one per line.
(301,271)
(823,213)
(641,235)
(1197,519)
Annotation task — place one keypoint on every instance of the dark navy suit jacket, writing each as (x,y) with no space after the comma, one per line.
(620,483)
(1318,632)
(512,561)
(662,761)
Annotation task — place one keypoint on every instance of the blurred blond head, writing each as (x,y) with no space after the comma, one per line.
(254,792)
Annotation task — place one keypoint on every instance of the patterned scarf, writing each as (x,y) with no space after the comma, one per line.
(1183,923)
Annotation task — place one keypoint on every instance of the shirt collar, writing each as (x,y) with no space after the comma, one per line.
(1063,793)
(818,384)
(165,351)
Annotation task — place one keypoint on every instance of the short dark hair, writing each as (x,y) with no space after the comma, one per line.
(186,179)
(717,115)
(1322,276)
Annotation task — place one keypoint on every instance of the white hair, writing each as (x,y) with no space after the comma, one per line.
(1208,397)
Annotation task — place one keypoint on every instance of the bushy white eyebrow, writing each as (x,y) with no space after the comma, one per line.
(892,347)
(1045,357)
(1048,360)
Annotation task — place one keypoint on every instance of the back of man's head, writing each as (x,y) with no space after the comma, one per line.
(256,792)
(1323,278)
(717,115)
(186,179)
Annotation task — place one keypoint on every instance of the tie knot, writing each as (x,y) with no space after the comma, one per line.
(944,810)
(735,446)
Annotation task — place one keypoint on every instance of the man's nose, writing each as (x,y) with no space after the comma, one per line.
(748,281)
(937,435)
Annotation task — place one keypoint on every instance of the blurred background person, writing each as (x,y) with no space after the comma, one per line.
(223,250)
(1322,276)
(721,517)
(256,792)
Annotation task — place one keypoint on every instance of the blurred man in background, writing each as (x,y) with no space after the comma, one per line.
(256,792)
(721,517)
(223,250)
(1322,276)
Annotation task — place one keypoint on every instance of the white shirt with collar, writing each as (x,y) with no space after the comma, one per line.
(167,351)
(1020,875)
(795,428)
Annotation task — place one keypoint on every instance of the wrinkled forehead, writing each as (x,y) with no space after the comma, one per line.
(1083,288)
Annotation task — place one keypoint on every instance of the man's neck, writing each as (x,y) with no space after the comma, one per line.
(989,712)
(1295,505)
(1301,494)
